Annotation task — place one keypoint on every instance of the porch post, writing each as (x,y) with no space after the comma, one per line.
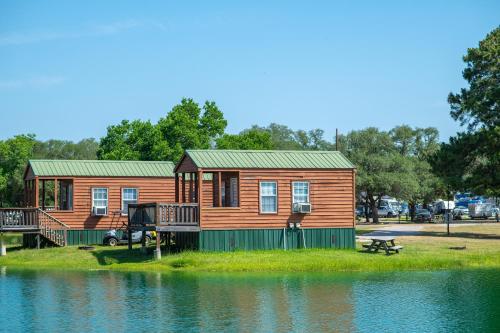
(183,187)
(43,194)
(219,183)
(36,193)
(55,194)
(177,187)
(199,194)
(196,188)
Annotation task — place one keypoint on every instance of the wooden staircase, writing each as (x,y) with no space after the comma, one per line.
(34,220)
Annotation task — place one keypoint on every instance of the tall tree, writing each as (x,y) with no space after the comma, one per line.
(133,140)
(381,170)
(478,107)
(186,127)
(85,149)
(254,138)
(14,155)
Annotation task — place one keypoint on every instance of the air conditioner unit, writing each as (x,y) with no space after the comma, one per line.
(302,208)
(99,211)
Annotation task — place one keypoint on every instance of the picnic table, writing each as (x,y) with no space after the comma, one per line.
(382,242)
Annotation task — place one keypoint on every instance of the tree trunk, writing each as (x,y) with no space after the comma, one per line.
(374,208)
(412,211)
(367,217)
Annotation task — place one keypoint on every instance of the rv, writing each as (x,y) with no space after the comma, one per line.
(480,210)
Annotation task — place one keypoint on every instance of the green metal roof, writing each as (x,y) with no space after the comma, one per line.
(269,159)
(98,168)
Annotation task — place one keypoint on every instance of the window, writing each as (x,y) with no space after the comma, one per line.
(129,196)
(268,197)
(300,192)
(100,201)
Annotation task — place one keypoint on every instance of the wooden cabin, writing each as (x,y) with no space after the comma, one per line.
(257,200)
(92,196)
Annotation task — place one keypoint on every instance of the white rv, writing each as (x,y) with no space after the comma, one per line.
(440,206)
(480,210)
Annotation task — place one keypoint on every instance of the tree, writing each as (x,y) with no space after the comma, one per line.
(476,153)
(381,170)
(253,138)
(185,127)
(14,155)
(479,105)
(135,140)
(85,149)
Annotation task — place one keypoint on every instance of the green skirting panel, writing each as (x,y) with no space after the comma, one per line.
(75,237)
(87,237)
(267,239)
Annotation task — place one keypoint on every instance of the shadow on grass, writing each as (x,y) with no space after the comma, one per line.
(455,234)
(121,256)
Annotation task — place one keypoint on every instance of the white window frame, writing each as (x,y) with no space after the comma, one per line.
(94,212)
(261,183)
(294,183)
(125,212)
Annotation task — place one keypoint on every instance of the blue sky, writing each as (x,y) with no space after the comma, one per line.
(69,69)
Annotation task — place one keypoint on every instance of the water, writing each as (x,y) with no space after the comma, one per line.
(452,301)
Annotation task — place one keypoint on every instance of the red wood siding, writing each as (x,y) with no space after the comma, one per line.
(331,197)
(150,190)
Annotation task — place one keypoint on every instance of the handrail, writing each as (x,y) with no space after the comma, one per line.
(55,219)
(34,219)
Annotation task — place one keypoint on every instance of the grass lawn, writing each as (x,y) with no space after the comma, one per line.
(427,252)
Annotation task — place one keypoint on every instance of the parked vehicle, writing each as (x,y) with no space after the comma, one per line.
(441,206)
(423,215)
(459,212)
(111,238)
(480,210)
(360,211)
(387,211)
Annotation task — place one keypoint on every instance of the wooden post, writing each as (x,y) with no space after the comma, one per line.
(129,238)
(3,247)
(219,190)
(143,241)
(199,194)
(158,246)
(183,188)
(43,194)
(36,203)
(177,187)
(38,241)
(55,194)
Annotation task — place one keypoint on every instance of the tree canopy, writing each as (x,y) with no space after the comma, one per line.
(471,160)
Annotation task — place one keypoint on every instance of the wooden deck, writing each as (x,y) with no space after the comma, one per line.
(33,220)
(164,217)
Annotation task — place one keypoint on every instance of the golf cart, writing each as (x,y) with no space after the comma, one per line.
(111,237)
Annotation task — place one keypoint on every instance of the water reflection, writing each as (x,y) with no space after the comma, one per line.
(107,301)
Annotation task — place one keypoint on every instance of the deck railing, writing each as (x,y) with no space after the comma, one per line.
(18,218)
(163,214)
(34,219)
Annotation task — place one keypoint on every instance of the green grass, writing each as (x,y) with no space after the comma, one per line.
(13,238)
(431,251)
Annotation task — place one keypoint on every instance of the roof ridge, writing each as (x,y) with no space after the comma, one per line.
(262,151)
(99,161)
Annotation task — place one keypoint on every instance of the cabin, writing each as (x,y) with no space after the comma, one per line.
(241,200)
(86,198)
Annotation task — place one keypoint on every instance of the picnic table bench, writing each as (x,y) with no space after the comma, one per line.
(383,242)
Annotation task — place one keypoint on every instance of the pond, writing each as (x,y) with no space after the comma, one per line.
(444,301)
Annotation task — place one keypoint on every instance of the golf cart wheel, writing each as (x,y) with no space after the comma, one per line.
(112,242)
(148,240)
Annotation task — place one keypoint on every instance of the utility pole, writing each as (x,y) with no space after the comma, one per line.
(336,139)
